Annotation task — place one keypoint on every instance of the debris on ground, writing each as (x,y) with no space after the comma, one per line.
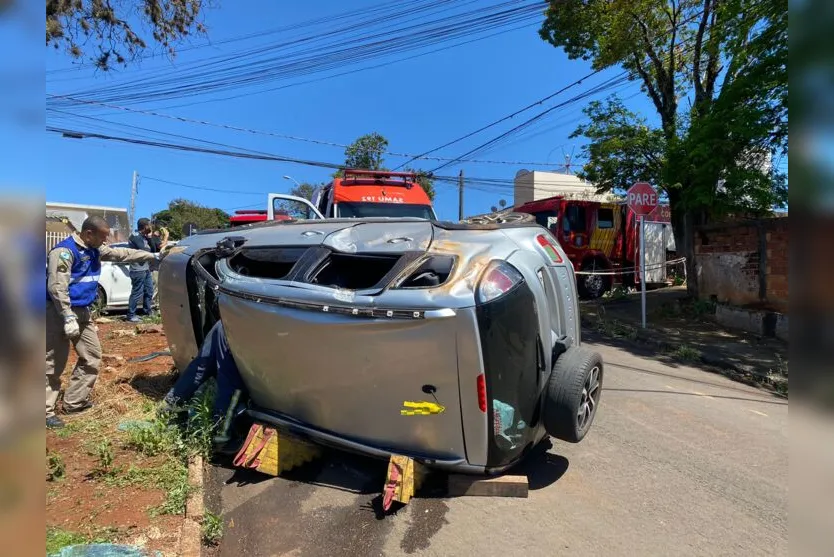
(104,550)
(119,333)
(147,328)
(112,359)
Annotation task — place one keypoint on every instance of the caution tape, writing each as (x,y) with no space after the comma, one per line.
(629,270)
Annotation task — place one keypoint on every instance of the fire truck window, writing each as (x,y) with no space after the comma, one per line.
(574,220)
(605,218)
(541,218)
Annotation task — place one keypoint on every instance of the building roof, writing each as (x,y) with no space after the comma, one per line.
(59,205)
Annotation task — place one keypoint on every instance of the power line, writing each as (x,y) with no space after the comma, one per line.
(184,119)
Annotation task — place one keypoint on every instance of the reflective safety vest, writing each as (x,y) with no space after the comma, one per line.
(84,273)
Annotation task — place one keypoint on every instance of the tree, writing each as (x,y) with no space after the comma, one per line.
(366,152)
(304,190)
(182,211)
(729,58)
(104,26)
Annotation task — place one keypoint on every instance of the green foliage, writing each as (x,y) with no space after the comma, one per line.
(212,528)
(366,152)
(158,437)
(305,190)
(182,211)
(104,453)
(728,60)
(103,27)
(623,149)
(687,353)
(55,467)
(57,539)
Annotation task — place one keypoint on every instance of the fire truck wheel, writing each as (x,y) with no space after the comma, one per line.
(592,287)
(573,394)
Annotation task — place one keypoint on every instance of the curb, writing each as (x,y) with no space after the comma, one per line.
(191,532)
(718,364)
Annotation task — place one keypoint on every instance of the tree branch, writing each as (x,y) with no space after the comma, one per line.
(658,64)
(647,80)
(696,64)
(712,63)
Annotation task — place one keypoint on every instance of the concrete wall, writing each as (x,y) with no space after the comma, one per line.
(536,185)
(744,263)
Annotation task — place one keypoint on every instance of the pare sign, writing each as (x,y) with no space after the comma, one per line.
(381,199)
(641,198)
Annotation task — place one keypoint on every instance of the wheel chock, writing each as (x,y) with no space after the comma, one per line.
(269,452)
(404,477)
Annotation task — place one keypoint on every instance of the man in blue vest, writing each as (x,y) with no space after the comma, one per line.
(72,275)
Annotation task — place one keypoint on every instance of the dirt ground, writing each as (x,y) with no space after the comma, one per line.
(103,492)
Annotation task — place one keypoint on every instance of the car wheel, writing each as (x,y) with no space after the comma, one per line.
(500,218)
(573,394)
(100,303)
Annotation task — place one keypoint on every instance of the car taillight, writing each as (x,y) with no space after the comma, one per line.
(499,278)
(549,248)
(482,399)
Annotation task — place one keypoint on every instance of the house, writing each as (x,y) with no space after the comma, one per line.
(62,219)
(533,186)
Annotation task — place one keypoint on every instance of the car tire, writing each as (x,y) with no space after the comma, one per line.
(100,303)
(592,287)
(573,394)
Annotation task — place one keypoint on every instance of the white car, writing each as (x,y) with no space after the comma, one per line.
(114,284)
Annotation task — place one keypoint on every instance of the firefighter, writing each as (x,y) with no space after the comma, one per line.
(72,275)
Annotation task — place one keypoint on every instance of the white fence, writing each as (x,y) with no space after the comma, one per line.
(53,238)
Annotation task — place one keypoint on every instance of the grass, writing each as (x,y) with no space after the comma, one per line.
(153,319)
(57,538)
(616,329)
(212,528)
(687,353)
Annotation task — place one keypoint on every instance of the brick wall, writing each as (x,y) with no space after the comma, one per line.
(744,263)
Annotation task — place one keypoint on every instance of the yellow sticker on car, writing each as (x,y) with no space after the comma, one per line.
(421,408)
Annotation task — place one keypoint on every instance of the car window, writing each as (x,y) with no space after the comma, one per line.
(294,209)
(545,218)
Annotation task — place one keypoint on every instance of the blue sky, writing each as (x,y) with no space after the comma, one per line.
(417,104)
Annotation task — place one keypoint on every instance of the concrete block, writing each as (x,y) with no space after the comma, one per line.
(782,326)
(500,486)
(737,318)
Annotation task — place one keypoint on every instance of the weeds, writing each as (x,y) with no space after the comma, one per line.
(153,319)
(104,467)
(687,353)
(158,438)
(57,539)
(212,528)
(55,468)
(616,329)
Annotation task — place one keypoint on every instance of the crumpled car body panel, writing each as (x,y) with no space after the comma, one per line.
(356,332)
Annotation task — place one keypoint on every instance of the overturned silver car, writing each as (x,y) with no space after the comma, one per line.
(456,344)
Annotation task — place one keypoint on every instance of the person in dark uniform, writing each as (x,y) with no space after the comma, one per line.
(141,280)
(214,360)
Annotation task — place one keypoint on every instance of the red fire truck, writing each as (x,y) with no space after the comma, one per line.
(604,237)
(357,194)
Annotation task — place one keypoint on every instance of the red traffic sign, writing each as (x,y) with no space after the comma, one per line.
(642,198)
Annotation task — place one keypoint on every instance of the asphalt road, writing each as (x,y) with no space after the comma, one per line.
(679,462)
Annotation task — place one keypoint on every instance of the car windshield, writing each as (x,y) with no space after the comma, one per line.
(366,210)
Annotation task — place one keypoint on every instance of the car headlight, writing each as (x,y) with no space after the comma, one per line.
(499,278)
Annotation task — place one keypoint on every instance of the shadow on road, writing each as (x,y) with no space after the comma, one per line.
(542,467)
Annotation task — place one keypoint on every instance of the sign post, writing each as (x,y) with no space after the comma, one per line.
(642,200)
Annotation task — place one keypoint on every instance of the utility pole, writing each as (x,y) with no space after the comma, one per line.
(460,196)
(134,189)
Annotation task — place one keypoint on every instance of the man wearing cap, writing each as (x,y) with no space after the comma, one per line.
(72,275)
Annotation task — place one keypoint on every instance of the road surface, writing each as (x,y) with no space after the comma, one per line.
(679,462)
